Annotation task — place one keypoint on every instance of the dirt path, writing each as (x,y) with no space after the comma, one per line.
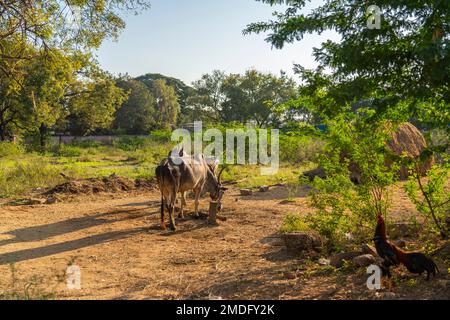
(122,253)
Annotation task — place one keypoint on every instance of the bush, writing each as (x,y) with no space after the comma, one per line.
(127,143)
(25,175)
(161,135)
(10,149)
(345,209)
(431,196)
(293,222)
(86,144)
(68,150)
(300,149)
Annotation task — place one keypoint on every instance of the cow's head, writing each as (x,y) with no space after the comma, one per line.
(219,190)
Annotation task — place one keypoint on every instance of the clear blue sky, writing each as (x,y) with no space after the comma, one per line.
(187,38)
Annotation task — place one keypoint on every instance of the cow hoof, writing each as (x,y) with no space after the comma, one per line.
(173,228)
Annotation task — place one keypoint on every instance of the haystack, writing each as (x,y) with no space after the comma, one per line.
(408,140)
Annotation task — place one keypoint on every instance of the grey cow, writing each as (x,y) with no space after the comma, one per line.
(181,174)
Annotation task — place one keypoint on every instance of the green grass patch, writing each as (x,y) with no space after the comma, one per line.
(293,222)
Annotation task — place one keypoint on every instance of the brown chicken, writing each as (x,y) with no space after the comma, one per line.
(392,255)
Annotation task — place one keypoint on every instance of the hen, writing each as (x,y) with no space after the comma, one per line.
(392,255)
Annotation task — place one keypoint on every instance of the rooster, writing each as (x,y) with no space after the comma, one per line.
(392,255)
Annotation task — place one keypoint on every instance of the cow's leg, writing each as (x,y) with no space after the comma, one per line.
(163,224)
(171,217)
(197,197)
(183,203)
(172,212)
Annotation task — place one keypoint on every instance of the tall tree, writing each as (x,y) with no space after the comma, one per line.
(256,96)
(253,96)
(209,97)
(94,107)
(167,106)
(405,61)
(46,69)
(136,115)
(182,90)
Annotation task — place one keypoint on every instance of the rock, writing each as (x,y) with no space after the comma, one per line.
(363,260)
(389,295)
(399,243)
(51,200)
(213,297)
(337,260)
(402,229)
(302,241)
(367,249)
(444,251)
(246,192)
(273,241)
(349,236)
(290,275)
(263,188)
(311,174)
(324,262)
(33,202)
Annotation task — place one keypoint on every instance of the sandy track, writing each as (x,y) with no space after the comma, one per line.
(122,253)
(116,242)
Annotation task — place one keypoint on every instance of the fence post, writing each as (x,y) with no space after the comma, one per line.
(213,212)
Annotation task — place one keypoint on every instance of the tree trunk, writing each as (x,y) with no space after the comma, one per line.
(2,133)
(43,136)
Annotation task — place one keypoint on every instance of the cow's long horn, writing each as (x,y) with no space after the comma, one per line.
(220,176)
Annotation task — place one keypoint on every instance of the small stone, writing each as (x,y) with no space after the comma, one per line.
(246,192)
(302,241)
(389,295)
(213,297)
(324,262)
(263,188)
(444,251)
(367,249)
(402,229)
(51,200)
(400,243)
(363,260)
(311,174)
(337,260)
(290,275)
(32,202)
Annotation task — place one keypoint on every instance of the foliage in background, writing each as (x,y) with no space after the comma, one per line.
(403,63)
(253,96)
(356,187)
(431,196)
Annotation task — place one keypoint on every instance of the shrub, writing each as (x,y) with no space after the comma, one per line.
(293,222)
(300,149)
(10,149)
(68,150)
(85,144)
(161,135)
(434,199)
(27,174)
(344,209)
(128,143)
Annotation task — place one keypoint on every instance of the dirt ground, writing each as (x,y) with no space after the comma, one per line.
(116,241)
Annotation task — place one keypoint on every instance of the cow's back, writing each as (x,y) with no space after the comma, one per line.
(193,172)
